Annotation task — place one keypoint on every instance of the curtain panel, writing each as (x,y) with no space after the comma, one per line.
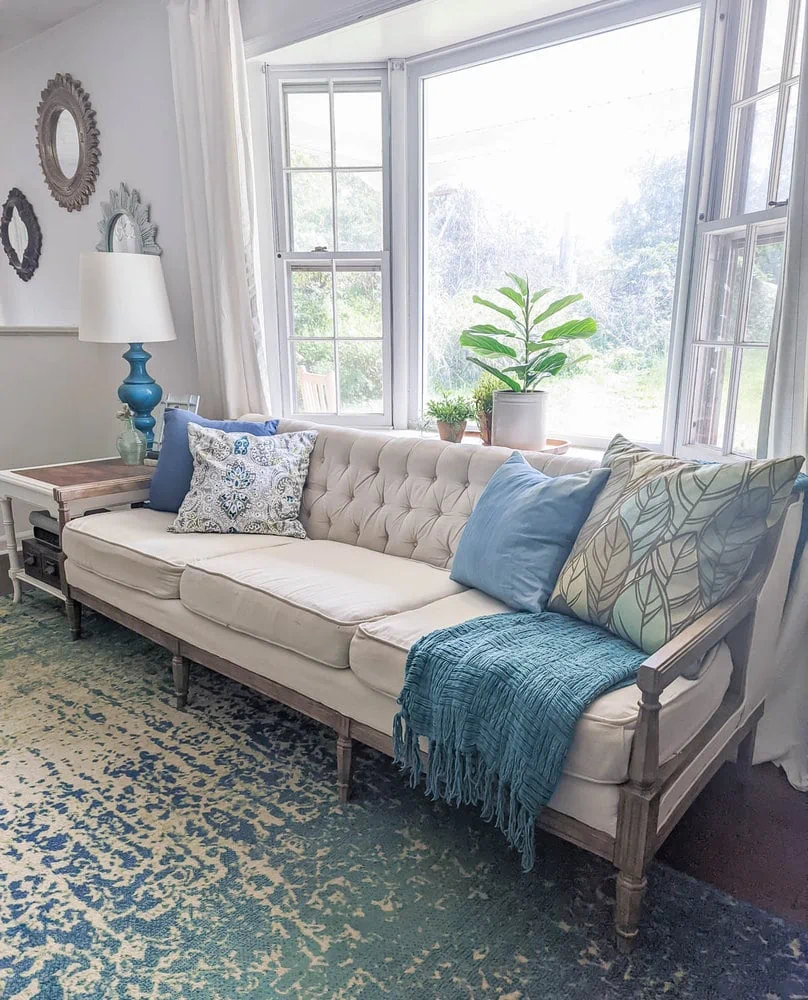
(213,123)
(783,732)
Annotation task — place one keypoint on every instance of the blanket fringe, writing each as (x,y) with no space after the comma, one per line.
(462,778)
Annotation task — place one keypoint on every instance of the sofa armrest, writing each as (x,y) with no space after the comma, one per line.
(731,620)
(691,645)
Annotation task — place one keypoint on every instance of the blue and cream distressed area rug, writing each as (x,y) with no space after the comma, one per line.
(150,854)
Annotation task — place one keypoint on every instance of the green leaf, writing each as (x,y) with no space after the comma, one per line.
(509,293)
(489,347)
(537,295)
(520,283)
(572,330)
(496,331)
(552,364)
(492,305)
(519,370)
(557,306)
(542,345)
(506,379)
(579,361)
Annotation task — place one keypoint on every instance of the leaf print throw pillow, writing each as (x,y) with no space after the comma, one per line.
(243,484)
(667,540)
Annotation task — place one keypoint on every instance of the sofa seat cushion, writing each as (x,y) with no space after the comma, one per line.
(311,596)
(135,548)
(602,745)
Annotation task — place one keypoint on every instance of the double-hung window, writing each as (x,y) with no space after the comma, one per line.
(330,168)
(736,287)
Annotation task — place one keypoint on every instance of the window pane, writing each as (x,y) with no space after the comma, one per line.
(795,70)
(316,383)
(311,211)
(582,191)
(709,418)
(308,130)
(361,384)
(755,139)
(766,46)
(766,269)
(750,397)
(359,303)
(723,285)
(312,304)
(359,210)
(358,128)
(784,181)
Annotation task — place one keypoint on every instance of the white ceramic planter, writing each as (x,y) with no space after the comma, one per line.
(520,420)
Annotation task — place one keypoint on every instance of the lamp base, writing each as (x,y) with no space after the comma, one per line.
(140,392)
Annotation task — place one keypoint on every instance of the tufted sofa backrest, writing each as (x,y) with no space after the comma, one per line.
(406,496)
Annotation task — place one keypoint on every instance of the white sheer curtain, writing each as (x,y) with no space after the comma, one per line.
(213,122)
(783,732)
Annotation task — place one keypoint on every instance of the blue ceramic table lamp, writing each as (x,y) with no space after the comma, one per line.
(124,301)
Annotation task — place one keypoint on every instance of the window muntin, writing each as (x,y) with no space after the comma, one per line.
(332,266)
(499,196)
(736,283)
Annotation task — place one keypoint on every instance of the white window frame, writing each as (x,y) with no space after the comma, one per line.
(718,214)
(542,34)
(286,259)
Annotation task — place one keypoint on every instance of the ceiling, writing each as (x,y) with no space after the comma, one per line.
(417,28)
(23,19)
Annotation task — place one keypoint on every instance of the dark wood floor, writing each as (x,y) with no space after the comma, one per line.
(750,841)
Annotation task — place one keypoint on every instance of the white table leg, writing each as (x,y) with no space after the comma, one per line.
(11,546)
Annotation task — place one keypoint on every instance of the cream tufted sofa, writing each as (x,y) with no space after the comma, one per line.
(324,625)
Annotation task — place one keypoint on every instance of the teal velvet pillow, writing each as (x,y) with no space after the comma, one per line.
(522,530)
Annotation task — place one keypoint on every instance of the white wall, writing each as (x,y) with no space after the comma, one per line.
(57,396)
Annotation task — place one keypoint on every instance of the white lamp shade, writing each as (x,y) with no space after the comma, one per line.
(123,299)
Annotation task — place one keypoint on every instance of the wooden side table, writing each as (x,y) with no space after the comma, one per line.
(67,491)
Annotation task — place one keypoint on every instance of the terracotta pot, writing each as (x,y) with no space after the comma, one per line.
(451,432)
(520,420)
(484,423)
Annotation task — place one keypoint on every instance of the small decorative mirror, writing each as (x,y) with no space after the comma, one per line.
(20,234)
(67,140)
(126,225)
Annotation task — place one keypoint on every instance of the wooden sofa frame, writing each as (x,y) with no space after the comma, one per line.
(638,835)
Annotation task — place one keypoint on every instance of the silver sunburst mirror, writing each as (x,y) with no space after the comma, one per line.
(126,225)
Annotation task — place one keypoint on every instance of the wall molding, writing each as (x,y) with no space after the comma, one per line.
(39,331)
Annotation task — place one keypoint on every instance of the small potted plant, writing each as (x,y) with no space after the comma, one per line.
(483,397)
(530,355)
(450,412)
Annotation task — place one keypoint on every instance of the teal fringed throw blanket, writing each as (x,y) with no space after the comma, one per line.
(498,698)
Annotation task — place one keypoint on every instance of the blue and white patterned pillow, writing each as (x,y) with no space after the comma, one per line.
(243,484)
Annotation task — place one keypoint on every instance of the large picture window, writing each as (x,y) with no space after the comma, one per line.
(330,177)
(735,297)
(567,164)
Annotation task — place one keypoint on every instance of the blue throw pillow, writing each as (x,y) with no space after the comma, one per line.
(522,530)
(175,466)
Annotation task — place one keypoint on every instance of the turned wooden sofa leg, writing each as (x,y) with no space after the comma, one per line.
(344,764)
(73,609)
(629,898)
(181,668)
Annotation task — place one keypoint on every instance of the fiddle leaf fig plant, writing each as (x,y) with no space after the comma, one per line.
(533,355)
